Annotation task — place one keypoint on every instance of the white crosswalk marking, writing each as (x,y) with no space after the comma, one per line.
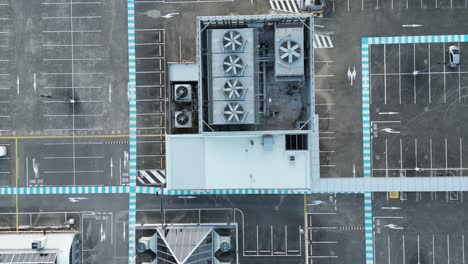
(290,6)
(322,42)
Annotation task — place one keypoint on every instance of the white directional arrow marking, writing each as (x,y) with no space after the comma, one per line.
(35,168)
(124,232)
(112,168)
(103,234)
(317,202)
(76,199)
(393,226)
(390,130)
(125,159)
(110,92)
(389,113)
(390,208)
(411,25)
(170,15)
(351,74)
(187,197)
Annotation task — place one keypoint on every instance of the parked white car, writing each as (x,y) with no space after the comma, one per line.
(454,56)
(3,151)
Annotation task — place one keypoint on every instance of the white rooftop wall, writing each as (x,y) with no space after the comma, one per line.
(217,162)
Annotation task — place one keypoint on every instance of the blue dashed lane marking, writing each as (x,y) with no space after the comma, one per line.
(65,190)
(369,235)
(366,133)
(132,129)
(144,190)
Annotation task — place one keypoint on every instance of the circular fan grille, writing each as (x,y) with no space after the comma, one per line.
(289,51)
(232,40)
(233,64)
(233,89)
(182,118)
(233,112)
(182,92)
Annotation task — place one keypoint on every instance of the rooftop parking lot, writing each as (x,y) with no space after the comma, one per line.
(417,102)
(65,61)
(420,228)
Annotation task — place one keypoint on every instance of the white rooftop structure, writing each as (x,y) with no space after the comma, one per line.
(237,161)
(55,248)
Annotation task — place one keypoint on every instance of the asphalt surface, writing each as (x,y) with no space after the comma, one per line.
(100,219)
(424,228)
(335,226)
(73,161)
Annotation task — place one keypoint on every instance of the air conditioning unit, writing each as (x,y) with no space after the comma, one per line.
(232,41)
(183,92)
(183,119)
(147,243)
(234,113)
(39,243)
(222,248)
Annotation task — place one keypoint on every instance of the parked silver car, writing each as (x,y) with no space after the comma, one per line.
(454,56)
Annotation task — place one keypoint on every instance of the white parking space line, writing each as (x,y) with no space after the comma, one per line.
(388,249)
(72,73)
(69,143)
(77,101)
(419,252)
(386,159)
(445,89)
(90,157)
(69,45)
(459,77)
(461,155)
(446,156)
(404,250)
(410,73)
(463,249)
(414,69)
(385,71)
(74,3)
(69,87)
(416,152)
(71,129)
(429,61)
(75,17)
(74,171)
(448,248)
(74,59)
(74,31)
(76,115)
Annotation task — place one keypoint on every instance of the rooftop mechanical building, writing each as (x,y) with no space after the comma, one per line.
(243,116)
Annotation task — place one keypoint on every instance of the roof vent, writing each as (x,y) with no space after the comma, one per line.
(233,89)
(234,112)
(183,92)
(183,119)
(233,64)
(39,243)
(290,51)
(232,40)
